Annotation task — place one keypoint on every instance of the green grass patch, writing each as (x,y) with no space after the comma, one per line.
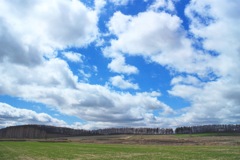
(49,150)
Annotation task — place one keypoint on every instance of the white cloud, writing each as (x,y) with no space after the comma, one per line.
(32,32)
(87,72)
(136,38)
(167,5)
(52,73)
(85,76)
(214,94)
(120,82)
(216,101)
(115,107)
(119,2)
(35,29)
(217,23)
(118,23)
(162,41)
(118,65)
(95,69)
(60,89)
(184,91)
(73,56)
(99,5)
(188,80)
(10,115)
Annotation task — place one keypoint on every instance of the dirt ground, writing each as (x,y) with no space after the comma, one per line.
(159,139)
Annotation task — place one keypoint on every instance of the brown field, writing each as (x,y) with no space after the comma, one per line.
(195,139)
(179,139)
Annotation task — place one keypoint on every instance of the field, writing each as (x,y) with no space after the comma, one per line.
(139,147)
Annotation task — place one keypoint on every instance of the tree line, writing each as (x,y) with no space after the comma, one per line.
(40,131)
(226,128)
(43,131)
(138,131)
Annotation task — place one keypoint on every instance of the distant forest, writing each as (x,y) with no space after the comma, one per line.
(43,131)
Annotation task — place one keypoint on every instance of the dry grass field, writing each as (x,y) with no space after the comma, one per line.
(183,139)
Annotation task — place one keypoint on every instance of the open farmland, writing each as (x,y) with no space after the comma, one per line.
(180,147)
(179,139)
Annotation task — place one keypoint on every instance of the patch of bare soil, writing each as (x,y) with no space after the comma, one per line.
(159,140)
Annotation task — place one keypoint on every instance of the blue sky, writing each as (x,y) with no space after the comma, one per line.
(119,63)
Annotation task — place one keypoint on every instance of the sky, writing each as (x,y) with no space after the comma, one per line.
(93,64)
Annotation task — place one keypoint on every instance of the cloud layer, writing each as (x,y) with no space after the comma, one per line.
(164,41)
(59,88)
(207,54)
(36,29)
(10,115)
(203,62)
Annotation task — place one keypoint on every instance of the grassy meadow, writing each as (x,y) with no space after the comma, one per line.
(28,150)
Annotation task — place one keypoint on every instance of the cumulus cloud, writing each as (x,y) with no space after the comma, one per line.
(118,23)
(73,56)
(216,23)
(120,82)
(119,65)
(31,34)
(52,73)
(216,101)
(116,107)
(212,72)
(10,115)
(167,5)
(36,29)
(162,41)
(55,85)
(211,104)
(188,80)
